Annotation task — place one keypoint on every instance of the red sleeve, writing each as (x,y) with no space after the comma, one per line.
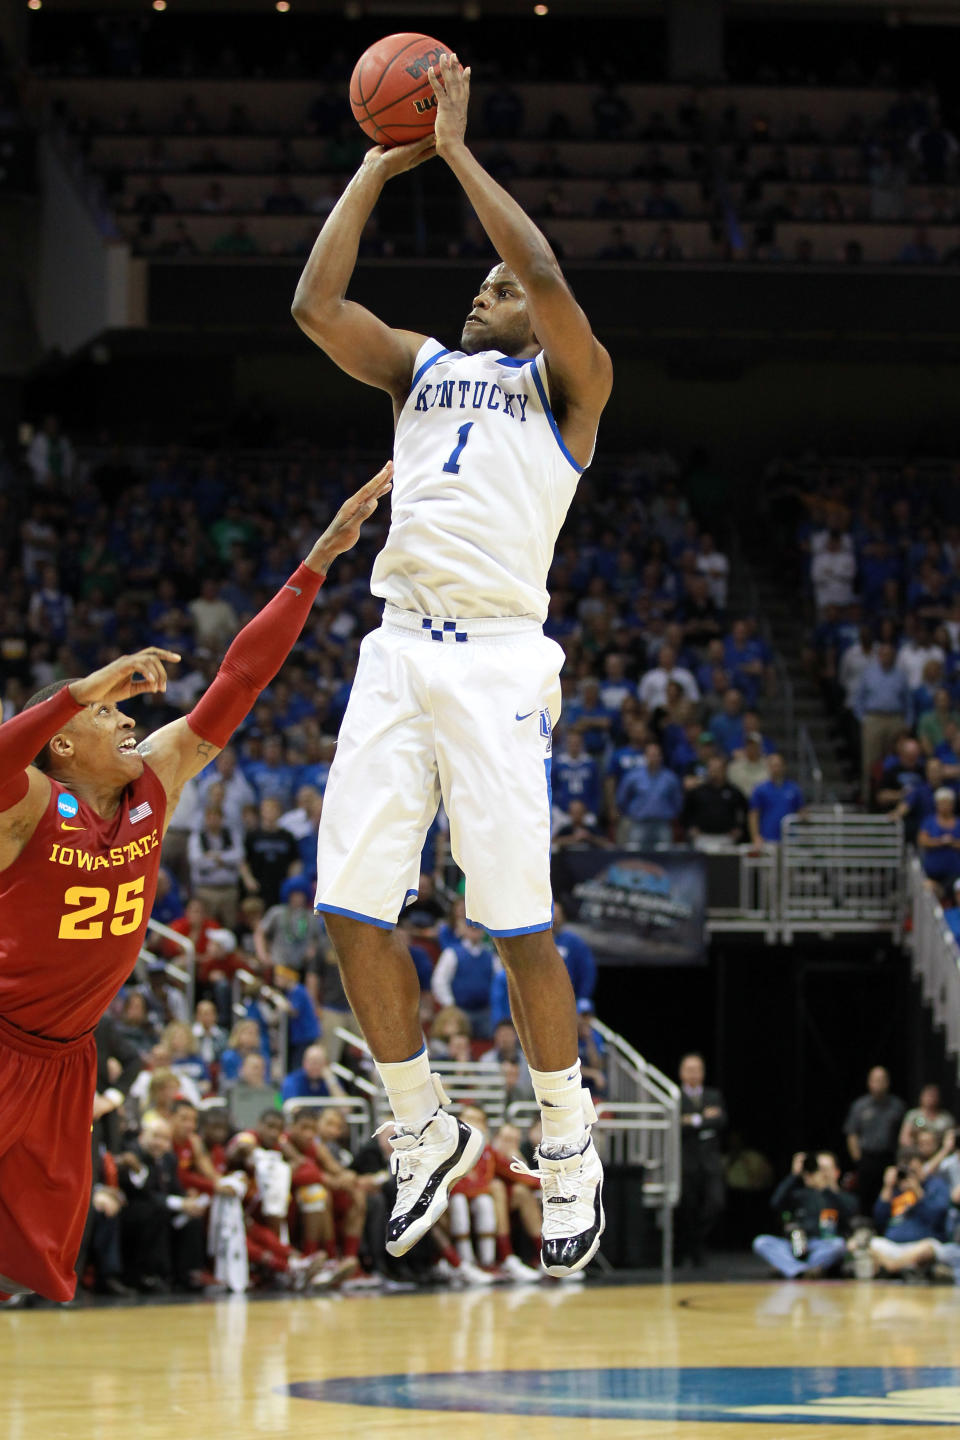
(23,738)
(254,658)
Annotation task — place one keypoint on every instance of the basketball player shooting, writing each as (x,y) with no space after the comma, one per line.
(82,814)
(456,692)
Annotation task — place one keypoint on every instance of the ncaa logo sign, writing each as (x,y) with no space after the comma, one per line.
(67,806)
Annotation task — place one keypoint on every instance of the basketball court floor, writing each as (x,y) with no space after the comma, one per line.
(681,1362)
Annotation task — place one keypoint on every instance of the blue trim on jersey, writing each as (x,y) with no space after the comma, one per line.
(512,361)
(508,934)
(354,915)
(549,413)
(426,366)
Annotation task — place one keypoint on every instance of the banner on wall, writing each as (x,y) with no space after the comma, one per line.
(634,908)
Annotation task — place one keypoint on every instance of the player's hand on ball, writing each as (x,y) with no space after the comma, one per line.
(451,85)
(130,675)
(390,160)
(344,530)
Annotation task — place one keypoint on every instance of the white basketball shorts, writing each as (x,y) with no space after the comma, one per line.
(458,709)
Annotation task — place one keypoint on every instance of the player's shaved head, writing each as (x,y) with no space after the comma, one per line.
(42,761)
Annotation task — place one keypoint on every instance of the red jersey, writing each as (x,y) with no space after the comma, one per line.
(74,907)
(477,1180)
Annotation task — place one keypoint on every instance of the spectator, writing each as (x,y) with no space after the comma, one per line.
(211,1038)
(244,1040)
(464,973)
(269,854)
(939,840)
(818,1214)
(157,1251)
(575,954)
(303,1026)
(745,661)
(214,619)
(833,572)
(575,776)
(283,199)
(185,1058)
(750,767)
(728,726)
(772,802)
(716,567)
(703,1119)
(935,149)
(715,813)
(291,933)
(314,1079)
(618,246)
(580,831)
(933,726)
(927,1116)
(236,241)
(591,1048)
(215,855)
(872,1128)
(236,792)
(50,456)
(912,1211)
(50,609)
(135,1024)
(588,715)
(612,204)
(665,246)
(252,1092)
(918,251)
(650,798)
(611,113)
(901,774)
(659,205)
(303,822)
(271,776)
(653,687)
(623,759)
(448,1025)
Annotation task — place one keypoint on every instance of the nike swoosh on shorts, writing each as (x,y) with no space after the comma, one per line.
(527,716)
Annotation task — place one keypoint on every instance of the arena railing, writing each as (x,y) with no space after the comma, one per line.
(936,958)
(758,899)
(356,1111)
(182,972)
(841,871)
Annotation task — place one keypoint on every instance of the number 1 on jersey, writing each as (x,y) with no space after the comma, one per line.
(452,467)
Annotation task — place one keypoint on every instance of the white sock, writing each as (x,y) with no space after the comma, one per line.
(560,1097)
(410,1089)
(485,1225)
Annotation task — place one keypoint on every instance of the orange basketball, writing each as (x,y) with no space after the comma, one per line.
(390,94)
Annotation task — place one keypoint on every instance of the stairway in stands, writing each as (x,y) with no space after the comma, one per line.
(798,706)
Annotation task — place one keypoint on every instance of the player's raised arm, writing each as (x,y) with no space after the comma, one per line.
(184,747)
(354,338)
(576,358)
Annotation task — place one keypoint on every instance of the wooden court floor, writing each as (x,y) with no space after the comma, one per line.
(682,1362)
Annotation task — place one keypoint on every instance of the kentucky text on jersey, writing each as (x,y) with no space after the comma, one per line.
(470,394)
(117,855)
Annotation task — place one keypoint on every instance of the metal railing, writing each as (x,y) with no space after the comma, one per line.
(180,973)
(841,870)
(758,904)
(936,958)
(809,772)
(354,1108)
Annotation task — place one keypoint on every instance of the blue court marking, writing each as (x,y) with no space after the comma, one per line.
(891,1396)
(355,915)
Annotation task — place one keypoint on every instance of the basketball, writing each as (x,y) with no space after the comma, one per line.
(390,93)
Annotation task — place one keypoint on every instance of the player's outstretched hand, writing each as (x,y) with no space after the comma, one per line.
(390,160)
(451,85)
(139,674)
(344,530)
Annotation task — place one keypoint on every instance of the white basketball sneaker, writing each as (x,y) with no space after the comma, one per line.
(573,1218)
(514,1268)
(427,1163)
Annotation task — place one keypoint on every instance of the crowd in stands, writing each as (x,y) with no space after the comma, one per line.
(193,163)
(897,1214)
(881,558)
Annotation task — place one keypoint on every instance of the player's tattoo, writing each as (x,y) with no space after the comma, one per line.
(205,749)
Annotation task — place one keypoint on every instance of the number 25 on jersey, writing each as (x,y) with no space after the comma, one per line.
(83,904)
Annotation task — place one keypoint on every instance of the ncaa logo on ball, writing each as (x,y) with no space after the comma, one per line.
(67,806)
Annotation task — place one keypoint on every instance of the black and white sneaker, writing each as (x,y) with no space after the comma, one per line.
(426,1165)
(573,1218)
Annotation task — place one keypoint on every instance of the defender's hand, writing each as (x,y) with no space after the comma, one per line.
(390,160)
(451,85)
(343,532)
(115,682)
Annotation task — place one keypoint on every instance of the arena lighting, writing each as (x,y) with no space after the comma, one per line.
(541,9)
(34,4)
(159,4)
(283,6)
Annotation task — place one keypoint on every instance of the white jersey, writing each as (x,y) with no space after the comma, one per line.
(482,484)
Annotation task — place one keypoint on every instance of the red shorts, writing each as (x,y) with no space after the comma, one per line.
(46,1108)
